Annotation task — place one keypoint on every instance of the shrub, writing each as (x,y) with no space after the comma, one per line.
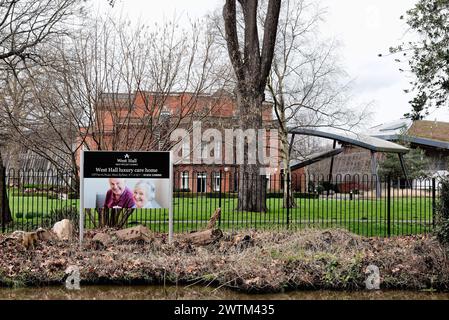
(442,214)
(52,195)
(30,193)
(311,187)
(72,195)
(32,186)
(216,195)
(39,187)
(70,213)
(328,186)
(182,190)
(182,194)
(234,195)
(320,189)
(34,215)
(213,195)
(55,215)
(275,195)
(19,215)
(303,195)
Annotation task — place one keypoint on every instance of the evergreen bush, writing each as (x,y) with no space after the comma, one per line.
(34,215)
(442,213)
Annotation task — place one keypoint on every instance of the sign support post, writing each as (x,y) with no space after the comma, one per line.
(81,212)
(170,208)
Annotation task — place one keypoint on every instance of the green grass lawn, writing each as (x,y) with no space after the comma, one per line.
(37,204)
(366,217)
(362,216)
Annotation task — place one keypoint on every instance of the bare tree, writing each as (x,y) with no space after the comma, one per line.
(89,96)
(115,86)
(26,25)
(306,84)
(251,60)
(152,67)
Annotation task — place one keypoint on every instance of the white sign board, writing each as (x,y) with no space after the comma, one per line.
(126,180)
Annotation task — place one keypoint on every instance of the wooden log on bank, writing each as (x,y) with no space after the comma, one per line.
(138,233)
(29,239)
(203,238)
(208,236)
(213,220)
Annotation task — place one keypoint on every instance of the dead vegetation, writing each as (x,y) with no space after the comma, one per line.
(248,261)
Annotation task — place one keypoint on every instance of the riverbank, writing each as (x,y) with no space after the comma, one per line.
(261,262)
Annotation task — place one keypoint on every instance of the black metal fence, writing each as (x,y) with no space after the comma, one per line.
(363,204)
(32,199)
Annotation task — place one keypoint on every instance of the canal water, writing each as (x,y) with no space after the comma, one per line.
(202,293)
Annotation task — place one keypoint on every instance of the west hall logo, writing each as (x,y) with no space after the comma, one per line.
(126,164)
(127,159)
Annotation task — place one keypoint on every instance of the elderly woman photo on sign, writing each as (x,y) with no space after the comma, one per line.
(119,195)
(144,195)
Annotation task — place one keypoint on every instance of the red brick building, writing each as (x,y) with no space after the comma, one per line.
(145,121)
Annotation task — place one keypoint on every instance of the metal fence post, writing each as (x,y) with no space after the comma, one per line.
(433,201)
(3,197)
(219,199)
(288,200)
(389,206)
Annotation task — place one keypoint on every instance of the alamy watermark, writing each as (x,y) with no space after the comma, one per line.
(372,281)
(210,147)
(73,278)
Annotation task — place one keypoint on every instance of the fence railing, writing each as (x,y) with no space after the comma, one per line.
(32,199)
(363,204)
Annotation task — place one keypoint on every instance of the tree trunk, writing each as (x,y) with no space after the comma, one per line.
(251,63)
(5,215)
(75,182)
(252,185)
(252,189)
(289,200)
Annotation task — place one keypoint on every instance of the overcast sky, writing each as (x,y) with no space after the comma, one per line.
(364,28)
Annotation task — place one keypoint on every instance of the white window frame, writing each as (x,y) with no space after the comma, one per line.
(185,180)
(217,181)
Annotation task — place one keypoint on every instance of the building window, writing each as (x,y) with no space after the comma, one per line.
(217,181)
(185,180)
(268,181)
(201,182)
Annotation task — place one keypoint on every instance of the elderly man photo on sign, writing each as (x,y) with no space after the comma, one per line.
(119,195)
